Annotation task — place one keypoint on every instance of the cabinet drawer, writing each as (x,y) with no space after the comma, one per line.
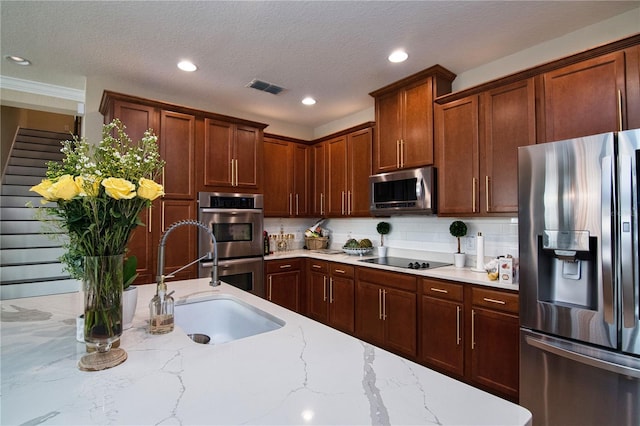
(274,266)
(442,290)
(341,270)
(388,279)
(494,299)
(319,266)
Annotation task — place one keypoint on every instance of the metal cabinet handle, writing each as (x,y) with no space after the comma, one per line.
(339,271)
(290,202)
(487,181)
(324,288)
(236,160)
(162,218)
(384,305)
(401,152)
(321,203)
(297,206)
(316,266)
(439,290)
(458,339)
(619,110)
(398,153)
(285,266)
(331,290)
(474,182)
(379,303)
(500,302)
(269,292)
(149,221)
(348,202)
(342,199)
(473,327)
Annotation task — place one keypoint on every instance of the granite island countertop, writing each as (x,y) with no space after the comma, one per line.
(302,373)
(451,273)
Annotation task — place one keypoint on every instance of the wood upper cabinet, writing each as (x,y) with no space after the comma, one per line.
(477,140)
(442,326)
(632,63)
(177,149)
(348,169)
(386,310)
(233,155)
(286,178)
(318,176)
(584,99)
(404,117)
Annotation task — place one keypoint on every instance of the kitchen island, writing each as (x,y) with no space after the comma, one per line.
(302,373)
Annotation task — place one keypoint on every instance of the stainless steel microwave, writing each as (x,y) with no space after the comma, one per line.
(410,191)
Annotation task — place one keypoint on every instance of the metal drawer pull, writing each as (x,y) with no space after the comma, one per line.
(339,271)
(458,325)
(285,266)
(439,290)
(324,289)
(316,266)
(500,302)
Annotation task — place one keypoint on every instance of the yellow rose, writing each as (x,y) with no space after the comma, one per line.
(119,189)
(65,188)
(43,189)
(89,185)
(149,189)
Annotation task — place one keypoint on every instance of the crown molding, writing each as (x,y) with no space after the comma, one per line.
(38,88)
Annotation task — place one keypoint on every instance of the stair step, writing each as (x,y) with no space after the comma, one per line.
(18,213)
(17,190)
(26,171)
(32,153)
(21,201)
(32,272)
(43,134)
(39,146)
(27,162)
(13,227)
(20,241)
(21,256)
(21,180)
(40,288)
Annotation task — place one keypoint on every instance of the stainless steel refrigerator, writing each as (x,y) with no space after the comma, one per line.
(579,292)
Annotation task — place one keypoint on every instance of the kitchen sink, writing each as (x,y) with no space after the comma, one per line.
(223,319)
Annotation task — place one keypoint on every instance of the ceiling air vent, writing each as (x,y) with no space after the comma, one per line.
(264,86)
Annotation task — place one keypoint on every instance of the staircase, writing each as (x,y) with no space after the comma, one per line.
(29,264)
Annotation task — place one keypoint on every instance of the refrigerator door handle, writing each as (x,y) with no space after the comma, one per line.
(626,242)
(607,235)
(584,359)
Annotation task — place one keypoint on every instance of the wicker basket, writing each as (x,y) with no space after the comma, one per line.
(316,243)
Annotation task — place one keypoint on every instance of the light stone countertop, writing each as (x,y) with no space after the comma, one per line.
(451,273)
(302,373)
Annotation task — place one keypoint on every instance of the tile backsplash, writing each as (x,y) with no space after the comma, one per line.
(412,235)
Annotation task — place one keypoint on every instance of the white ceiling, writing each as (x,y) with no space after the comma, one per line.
(333,51)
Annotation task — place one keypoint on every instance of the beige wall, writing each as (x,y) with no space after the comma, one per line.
(11,118)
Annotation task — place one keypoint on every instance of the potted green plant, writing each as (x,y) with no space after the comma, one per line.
(458,229)
(383,229)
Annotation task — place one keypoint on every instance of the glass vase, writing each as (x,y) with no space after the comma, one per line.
(102,285)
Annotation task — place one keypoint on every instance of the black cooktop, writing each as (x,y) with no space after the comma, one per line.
(401,262)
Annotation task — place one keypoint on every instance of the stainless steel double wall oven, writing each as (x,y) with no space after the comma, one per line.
(236,220)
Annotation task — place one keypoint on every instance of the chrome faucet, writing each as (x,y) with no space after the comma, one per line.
(214,270)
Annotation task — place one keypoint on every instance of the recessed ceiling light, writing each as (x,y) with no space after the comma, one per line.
(398,56)
(187,66)
(309,101)
(19,60)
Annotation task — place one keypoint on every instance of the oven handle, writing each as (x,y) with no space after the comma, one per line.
(230,211)
(229,262)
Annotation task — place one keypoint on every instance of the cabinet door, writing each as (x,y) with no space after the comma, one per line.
(177,148)
(457,154)
(632,63)
(218,152)
(495,350)
(318,296)
(318,180)
(248,155)
(400,316)
(336,176)
(182,243)
(509,123)
(583,99)
(388,133)
(369,325)
(341,304)
(442,334)
(284,289)
(300,175)
(417,125)
(359,155)
(277,175)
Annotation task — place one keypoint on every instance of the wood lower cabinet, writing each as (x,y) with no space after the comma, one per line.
(386,310)
(494,342)
(284,283)
(442,326)
(332,294)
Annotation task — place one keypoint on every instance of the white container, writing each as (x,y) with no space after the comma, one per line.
(458,260)
(382,251)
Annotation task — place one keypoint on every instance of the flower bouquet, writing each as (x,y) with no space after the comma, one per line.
(98,193)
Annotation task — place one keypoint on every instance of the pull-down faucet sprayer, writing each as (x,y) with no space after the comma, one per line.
(214,270)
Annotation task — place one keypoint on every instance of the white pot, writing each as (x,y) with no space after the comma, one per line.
(458,260)
(80,328)
(382,251)
(129,303)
